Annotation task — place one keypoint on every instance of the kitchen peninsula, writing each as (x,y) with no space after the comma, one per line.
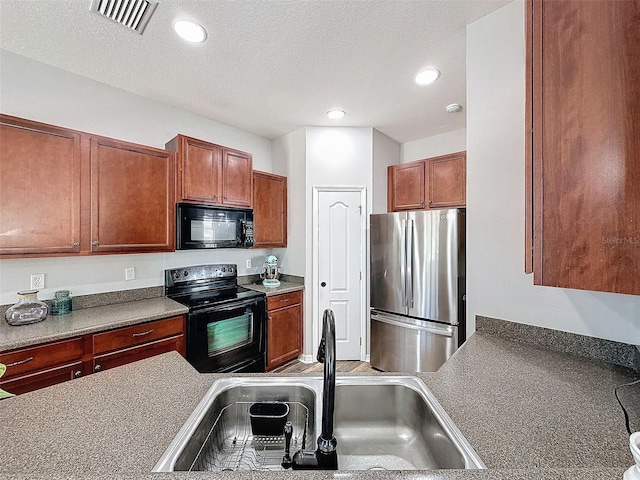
(528,412)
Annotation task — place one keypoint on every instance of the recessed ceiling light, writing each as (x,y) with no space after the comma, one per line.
(427,76)
(336,113)
(190,31)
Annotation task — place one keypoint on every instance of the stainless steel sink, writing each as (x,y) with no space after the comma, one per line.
(395,423)
(381,422)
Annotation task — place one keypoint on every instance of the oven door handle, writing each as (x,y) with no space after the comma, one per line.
(235,306)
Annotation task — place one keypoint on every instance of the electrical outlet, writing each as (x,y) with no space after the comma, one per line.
(37,281)
(129,273)
(249,263)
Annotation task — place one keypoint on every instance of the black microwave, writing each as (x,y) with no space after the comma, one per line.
(202,226)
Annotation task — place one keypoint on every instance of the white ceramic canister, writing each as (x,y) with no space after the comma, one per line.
(634,444)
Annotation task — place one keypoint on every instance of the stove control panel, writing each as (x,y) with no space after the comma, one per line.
(202,273)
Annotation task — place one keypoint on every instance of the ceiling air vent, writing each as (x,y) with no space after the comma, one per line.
(133,14)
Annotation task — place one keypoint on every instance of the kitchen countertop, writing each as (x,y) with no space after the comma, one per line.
(87,320)
(529,413)
(284,287)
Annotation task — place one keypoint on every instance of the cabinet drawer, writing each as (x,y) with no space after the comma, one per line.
(133,354)
(284,300)
(137,334)
(27,360)
(45,378)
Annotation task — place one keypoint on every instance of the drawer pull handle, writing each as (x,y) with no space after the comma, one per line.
(20,362)
(77,374)
(97,368)
(142,334)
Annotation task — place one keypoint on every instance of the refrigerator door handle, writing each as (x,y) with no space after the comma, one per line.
(409,257)
(403,263)
(444,330)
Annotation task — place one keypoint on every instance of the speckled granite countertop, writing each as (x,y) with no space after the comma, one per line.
(284,287)
(529,413)
(87,320)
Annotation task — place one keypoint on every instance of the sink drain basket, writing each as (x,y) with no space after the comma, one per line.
(231,445)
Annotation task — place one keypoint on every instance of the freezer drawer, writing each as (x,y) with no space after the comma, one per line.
(402,344)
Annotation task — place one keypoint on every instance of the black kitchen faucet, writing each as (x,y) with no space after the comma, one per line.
(325,457)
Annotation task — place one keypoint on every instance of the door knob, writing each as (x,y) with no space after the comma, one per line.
(323,284)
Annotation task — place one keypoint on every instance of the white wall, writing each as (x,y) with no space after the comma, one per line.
(497,286)
(449,142)
(39,92)
(289,159)
(386,151)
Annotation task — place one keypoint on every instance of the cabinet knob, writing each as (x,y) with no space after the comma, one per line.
(97,368)
(77,374)
(225,197)
(76,244)
(269,318)
(95,243)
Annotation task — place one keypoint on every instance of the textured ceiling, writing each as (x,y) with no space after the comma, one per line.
(269,67)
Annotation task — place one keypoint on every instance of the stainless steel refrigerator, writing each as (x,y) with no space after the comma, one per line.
(417,288)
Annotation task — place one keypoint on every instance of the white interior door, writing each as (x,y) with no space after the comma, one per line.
(341,241)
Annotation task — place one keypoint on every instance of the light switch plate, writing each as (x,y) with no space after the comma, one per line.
(249,263)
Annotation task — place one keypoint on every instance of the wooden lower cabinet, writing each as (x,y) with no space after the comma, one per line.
(130,344)
(40,366)
(133,354)
(45,378)
(284,328)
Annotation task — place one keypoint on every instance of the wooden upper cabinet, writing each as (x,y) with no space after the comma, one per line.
(269,210)
(584,77)
(211,174)
(237,178)
(132,197)
(200,172)
(448,180)
(437,182)
(39,188)
(406,186)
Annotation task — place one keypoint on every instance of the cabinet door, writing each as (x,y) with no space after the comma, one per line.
(132,201)
(448,180)
(39,188)
(201,171)
(137,334)
(43,365)
(237,178)
(586,140)
(284,329)
(406,186)
(269,210)
(133,354)
(42,379)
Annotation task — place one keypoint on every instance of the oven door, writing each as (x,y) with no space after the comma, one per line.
(228,338)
